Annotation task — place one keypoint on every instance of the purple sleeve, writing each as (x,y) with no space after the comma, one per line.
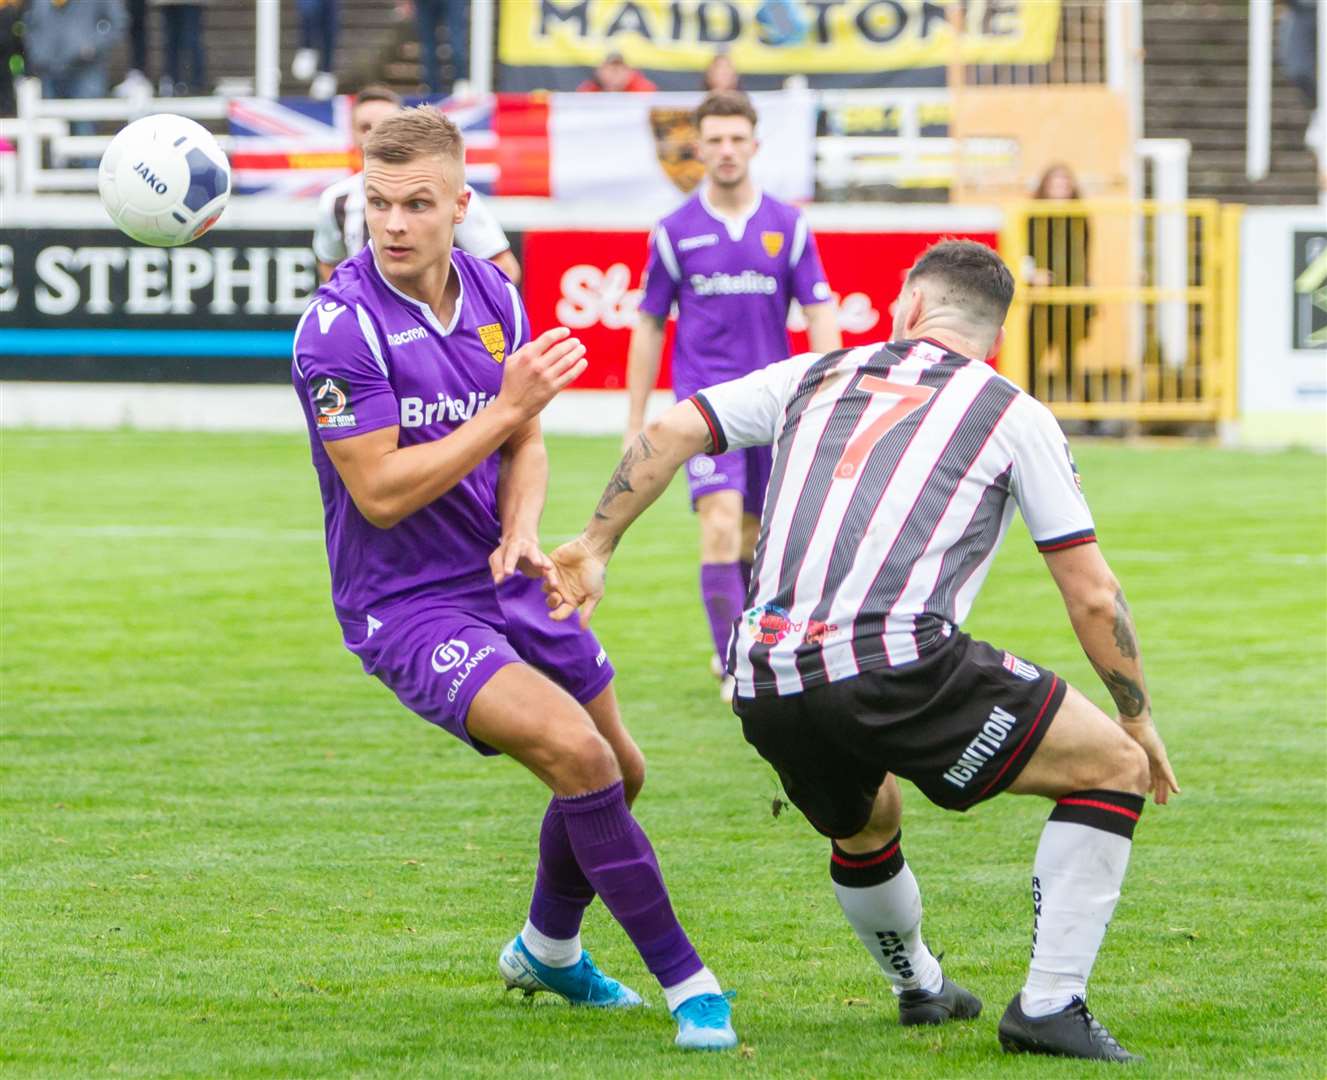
(661,276)
(521,332)
(339,365)
(808,276)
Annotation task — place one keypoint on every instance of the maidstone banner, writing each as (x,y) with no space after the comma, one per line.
(553,44)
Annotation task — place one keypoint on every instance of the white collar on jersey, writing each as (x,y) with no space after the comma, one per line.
(428,313)
(736,226)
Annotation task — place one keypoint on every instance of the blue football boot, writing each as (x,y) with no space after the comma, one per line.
(705,1022)
(581,984)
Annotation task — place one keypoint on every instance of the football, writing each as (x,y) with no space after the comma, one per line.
(164,180)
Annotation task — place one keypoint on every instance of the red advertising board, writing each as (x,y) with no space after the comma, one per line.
(590,281)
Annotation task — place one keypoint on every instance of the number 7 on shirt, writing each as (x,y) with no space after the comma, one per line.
(910,399)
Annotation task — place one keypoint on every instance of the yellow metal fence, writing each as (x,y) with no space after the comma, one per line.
(1124,310)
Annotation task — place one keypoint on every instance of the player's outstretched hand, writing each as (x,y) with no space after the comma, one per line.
(518,554)
(574,582)
(534,373)
(1144,733)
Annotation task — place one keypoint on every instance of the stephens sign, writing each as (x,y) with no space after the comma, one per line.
(225,305)
(590,282)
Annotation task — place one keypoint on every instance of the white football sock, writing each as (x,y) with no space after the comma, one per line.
(1075,884)
(887,919)
(555,952)
(702,982)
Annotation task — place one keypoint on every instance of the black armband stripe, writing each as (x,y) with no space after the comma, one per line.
(1059,543)
(718,440)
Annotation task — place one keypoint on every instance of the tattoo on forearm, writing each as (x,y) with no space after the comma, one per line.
(1129,696)
(639,451)
(1125,639)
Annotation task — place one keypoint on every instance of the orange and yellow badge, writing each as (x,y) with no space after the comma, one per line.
(772,242)
(494,341)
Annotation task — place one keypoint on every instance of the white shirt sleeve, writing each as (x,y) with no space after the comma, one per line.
(1045,480)
(480,234)
(329,246)
(748,411)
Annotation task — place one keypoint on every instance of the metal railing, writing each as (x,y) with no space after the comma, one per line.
(1106,326)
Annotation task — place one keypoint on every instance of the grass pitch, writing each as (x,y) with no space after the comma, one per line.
(227,852)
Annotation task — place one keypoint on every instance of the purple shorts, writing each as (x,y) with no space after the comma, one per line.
(746,471)
(436,652)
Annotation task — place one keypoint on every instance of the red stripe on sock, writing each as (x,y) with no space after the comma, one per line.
(888,853)
(1099,806)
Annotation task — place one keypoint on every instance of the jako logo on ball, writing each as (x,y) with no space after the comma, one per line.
(164,180)
(159,186)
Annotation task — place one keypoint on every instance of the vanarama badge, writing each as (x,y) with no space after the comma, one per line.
(494,341)
(772,242)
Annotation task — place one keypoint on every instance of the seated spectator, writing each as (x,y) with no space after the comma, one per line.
(720,75)
(616,76)
(184,37)
(68,47)
(315,59)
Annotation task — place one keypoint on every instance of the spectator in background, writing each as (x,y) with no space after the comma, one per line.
(184,36)
(315,59)
(1058,255)
(68,47)
(11,53)
(429,15)
(1299,57)
(720,75)
(137,81)
(616,76)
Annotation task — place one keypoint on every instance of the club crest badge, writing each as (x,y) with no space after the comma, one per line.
(494,341)
(675,147)
(772,242)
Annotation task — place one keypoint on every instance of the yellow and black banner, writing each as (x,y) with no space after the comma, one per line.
(551,44)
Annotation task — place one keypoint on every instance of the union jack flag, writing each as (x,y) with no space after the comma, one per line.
(295,147)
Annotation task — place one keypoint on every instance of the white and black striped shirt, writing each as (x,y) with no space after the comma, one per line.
(341,232)
(889,495)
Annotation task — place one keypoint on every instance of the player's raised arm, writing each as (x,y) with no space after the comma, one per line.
(576,579)
(388,482)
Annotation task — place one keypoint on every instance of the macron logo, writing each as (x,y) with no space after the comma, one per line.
(415,333)
(327,314)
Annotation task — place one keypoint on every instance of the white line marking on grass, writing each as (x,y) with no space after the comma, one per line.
(1278,558)
(160,532)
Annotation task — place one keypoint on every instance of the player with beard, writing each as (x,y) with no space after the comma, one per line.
(732,259)
(897,468)
(422,394)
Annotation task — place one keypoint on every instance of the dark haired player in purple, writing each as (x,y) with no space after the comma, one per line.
(422,395)
(733,259)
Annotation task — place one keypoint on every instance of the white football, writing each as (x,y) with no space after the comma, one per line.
(164,180)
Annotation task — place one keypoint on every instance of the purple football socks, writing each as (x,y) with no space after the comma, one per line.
(619,864)
(561,891)
(722,591)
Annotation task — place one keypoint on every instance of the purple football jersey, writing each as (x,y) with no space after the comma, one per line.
(367,357)
(733,280)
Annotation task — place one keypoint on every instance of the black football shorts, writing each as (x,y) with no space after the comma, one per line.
(959,724)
